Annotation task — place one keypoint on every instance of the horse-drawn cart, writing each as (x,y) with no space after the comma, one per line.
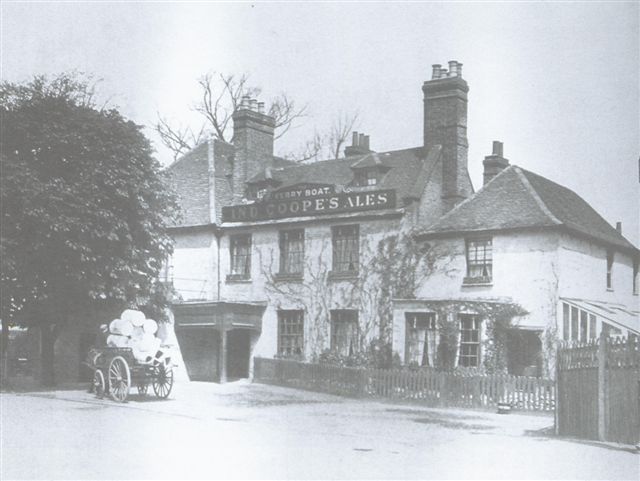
(116,369)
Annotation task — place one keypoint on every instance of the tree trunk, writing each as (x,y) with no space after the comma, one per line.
(47,354)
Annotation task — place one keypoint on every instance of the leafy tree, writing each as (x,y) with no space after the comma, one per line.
(84,209)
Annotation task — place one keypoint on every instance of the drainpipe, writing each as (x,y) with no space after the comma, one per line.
(219,281)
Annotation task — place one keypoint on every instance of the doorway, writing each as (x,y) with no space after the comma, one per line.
(238,353)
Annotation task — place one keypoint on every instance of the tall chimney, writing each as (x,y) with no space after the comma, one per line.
(619,227)
(494,163)
(253,142)
(445,124)
(359,145)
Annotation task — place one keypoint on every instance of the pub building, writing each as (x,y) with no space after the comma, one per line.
(269,253)
(277,258)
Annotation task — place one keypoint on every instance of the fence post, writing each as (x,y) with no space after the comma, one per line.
(556,411)
(602,388)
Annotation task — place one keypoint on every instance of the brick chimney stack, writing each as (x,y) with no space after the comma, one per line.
(494,163)
(253,142)
(359,145)
(445,124)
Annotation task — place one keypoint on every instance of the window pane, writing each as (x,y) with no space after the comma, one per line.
(574,323)
(592,326)
(583,326)
(565,321)
(290,333)
(469,340)
(344,331)
(345,248)
(479,258)
(241,255)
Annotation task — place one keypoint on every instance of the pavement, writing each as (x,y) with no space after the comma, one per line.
(242,430)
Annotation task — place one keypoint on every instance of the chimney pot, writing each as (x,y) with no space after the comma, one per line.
(361,140)
(245,102)
(459,70)
(261,107)
(497,148)
(366,142)
(619,227)
(453,68)
(436,71)
(253,104)
(354,139)
(443,73)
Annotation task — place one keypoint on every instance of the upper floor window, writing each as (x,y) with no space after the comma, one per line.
(469,340)
(346,248)
(609,269)
(420,341)
(367,177)
(344,331)
(479,259)
(635,278)
(292,251)
(290,333)
(240,252)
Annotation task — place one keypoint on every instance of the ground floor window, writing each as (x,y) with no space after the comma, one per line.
(577,324)
(344,331)
(290,333)
(469,340)
(420,344)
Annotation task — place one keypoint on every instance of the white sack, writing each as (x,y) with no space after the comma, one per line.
(150,326)
(134,317)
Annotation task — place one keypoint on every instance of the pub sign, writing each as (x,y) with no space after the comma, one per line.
(309,200)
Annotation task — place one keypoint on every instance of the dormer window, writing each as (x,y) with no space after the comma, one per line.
(367,178)
(256,191)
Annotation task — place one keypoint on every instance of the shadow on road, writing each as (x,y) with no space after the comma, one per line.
(548,434)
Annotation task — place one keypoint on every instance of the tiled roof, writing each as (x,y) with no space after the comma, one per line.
(402,170)
(517,198)
(406,171)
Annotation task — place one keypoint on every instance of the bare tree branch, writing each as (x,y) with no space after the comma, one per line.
(340,131)
(178,139)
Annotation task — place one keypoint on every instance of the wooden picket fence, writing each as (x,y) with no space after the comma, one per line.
(428,386)
(599,389)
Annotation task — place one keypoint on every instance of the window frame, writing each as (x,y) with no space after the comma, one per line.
(476,245)
(283,242)
(344,316)
(474,345)
(428,323)
(290,333)
(338,264)
(235,241)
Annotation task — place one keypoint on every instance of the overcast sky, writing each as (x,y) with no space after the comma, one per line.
(557,83)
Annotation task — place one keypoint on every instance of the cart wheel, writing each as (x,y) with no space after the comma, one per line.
(98,384)
(162,381)
(142,389)
(119,379)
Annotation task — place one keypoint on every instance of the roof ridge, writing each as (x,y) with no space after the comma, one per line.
(468,199)
(543,207)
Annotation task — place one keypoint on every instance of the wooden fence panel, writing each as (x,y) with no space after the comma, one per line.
(598,390)
(427,386)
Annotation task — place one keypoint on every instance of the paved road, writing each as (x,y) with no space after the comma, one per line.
(245,431)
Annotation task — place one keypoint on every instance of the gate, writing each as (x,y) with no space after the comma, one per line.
(599,390)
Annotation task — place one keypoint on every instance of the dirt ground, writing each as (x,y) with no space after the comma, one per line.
(251,431)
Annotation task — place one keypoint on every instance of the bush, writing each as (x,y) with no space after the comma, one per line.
(378,355)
